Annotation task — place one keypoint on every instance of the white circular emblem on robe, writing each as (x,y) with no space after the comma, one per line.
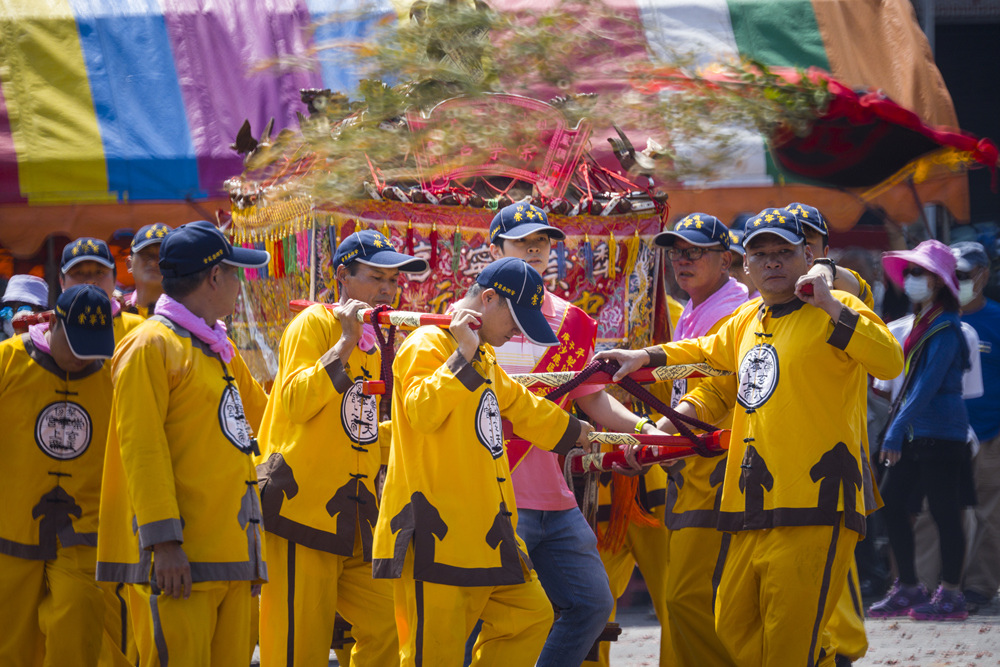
(359,414)
(63,430)
(233,421)
(758,376)
(489,428)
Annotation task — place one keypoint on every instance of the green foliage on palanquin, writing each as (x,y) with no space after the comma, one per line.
(587,58)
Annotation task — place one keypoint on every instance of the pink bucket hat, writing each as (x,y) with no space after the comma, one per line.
(932,255)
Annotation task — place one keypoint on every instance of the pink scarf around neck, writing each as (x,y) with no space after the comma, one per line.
(697,321)
(214,336)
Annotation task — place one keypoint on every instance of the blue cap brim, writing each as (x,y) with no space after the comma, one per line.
(145,243)
(533,325)
(90,343)
(103,261)
(390,259)
(791,237)
(248,258)
(529,228)
(692,236)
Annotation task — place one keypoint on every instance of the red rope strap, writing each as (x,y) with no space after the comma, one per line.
(387,348)
(679,420)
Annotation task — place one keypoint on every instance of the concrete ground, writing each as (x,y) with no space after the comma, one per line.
(895,642)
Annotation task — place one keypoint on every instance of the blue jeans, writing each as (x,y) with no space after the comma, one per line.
(563,549)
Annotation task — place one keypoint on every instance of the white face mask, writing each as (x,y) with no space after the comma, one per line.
(917,288)
(966,291)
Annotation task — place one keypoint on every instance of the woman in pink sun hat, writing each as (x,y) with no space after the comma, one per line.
(926,443)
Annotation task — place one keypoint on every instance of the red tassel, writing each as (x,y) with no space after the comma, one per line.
(625,510)
(434,245)
(279,250)
(409,238)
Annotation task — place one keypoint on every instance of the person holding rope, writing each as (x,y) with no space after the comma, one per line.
(322,448)
(700,252)
(560,542)
(446,529)
(847,624)
(793,489)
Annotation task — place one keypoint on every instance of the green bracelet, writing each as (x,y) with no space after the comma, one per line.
(642,422)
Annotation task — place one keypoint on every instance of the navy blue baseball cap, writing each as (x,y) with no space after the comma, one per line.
(374,249)
(522,286)
(87,249)
(150,235)
(809,215)
(775,221)
(736,241)
(699,229)
(519,220)
(201,245)
(85,313)
(968,255)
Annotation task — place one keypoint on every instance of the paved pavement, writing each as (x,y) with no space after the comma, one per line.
(895,642)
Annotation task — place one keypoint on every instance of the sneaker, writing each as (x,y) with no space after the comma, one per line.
(899,600)
(946,605)
(974,600)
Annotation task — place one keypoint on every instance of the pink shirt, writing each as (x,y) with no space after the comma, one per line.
(539,483)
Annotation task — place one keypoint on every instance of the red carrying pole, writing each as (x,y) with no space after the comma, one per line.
(653,448)
(399,318)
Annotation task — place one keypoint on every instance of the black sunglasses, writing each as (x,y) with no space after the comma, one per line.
(963,275)
(915,271)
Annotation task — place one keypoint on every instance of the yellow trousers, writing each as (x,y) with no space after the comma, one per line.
(847,625)
(778,590)
(52,611)
(695,560)
(646,547)
(434,621)
(209,629)
(305,590)
(118,648)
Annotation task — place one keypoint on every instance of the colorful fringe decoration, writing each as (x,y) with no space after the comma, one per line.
(456,250)
(561,260)
(386,232)
(303,250)
(612,257)
(409,238)
(249,274)
(333,234)
(632,254)
(433,239)
(587,257)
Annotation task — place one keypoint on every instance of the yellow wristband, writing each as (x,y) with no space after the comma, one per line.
(642,422)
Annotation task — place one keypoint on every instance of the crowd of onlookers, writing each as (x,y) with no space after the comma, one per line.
(945,484)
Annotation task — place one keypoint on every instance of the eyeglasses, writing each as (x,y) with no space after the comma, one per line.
(691,254)
(964,275)
(915,271)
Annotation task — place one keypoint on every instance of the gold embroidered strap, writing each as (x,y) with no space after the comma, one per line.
(657,374)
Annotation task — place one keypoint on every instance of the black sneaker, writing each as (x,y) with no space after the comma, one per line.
(974,600)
